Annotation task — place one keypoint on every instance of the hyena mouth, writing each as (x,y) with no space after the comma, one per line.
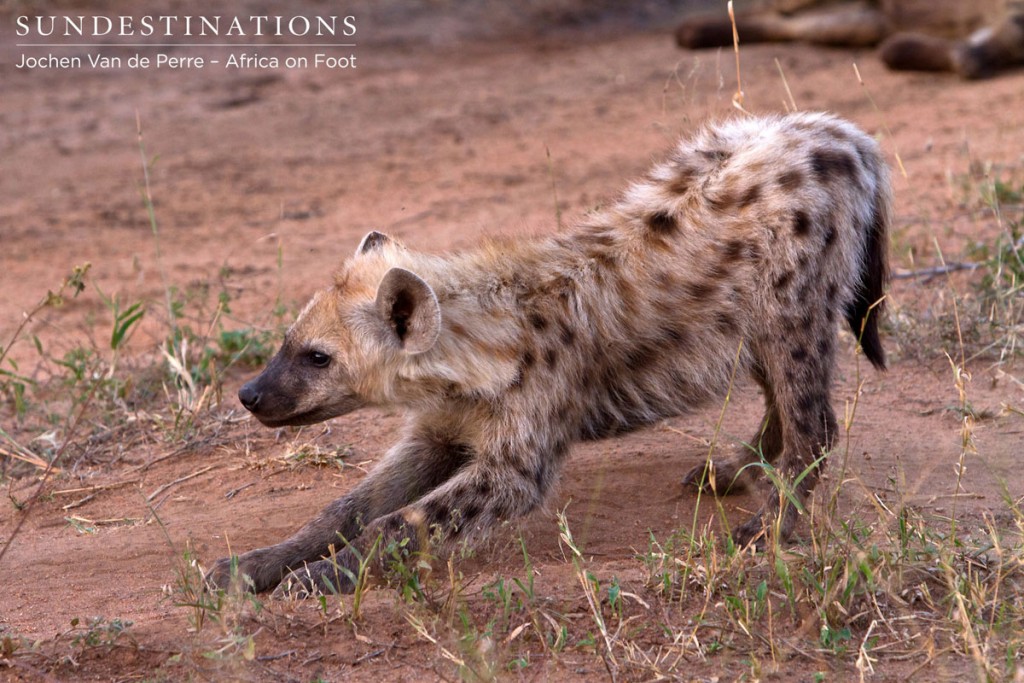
(298,420)
(313,416)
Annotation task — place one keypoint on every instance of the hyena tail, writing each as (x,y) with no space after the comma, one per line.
(864,311)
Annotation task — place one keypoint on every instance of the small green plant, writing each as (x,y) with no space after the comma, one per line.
(591,589)
(190,590)
(126,321)
(474,654)
(362,576)
(358,578)
(835,640)
(97,632)
(13,384)
(526,584)
(246,347)
(227,610)
(404,569)
(615,598)
(519,663)
(501,593)
(313,455)
(10,646)
(80,525)
(515,595)
(1001,288)
(1001,192)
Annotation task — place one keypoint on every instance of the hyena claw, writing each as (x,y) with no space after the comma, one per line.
(766,525)
(323,577)
(718,477)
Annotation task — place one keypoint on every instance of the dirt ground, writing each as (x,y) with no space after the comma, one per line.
(438,138)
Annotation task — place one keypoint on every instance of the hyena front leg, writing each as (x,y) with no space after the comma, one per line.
(798,369)
(412,467)
(731,474)
(476,498)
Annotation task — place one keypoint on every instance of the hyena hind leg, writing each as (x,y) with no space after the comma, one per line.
(799,369)
(735,472)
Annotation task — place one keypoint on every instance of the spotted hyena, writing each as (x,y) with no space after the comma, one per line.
(972,38)
(743,247)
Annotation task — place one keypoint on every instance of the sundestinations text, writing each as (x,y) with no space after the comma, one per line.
(187,25)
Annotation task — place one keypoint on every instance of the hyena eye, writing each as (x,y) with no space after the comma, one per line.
(317,359)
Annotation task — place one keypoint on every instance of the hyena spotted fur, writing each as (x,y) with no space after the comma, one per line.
(747,242)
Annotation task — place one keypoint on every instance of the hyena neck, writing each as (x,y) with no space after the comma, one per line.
(492,299)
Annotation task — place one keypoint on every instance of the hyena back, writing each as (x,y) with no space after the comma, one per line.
(739,250)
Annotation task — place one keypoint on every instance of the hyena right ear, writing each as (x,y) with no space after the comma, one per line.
(373,241)
(409,305)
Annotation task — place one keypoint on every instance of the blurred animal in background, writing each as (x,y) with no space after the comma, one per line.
(971,38)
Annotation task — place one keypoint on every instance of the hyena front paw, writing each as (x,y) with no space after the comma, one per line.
(255,571)
(718,476)
(323,577)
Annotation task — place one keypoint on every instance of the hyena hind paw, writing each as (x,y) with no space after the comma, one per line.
(752,532)
(715,477)
(765,525)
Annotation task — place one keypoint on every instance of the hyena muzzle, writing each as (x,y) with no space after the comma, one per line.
(737,252)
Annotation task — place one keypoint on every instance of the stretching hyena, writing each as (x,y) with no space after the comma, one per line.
(747,242)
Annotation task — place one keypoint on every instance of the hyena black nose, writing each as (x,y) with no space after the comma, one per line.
(249,396)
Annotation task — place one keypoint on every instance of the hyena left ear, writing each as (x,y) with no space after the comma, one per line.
(410,306)
(372,241)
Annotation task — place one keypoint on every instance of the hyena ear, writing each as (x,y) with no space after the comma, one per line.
(410,306)
(373,241)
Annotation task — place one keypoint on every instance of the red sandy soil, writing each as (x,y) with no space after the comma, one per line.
(437,142)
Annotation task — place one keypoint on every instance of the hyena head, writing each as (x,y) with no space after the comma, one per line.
(348,345)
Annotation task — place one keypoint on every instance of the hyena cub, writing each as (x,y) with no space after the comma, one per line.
(747,242)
